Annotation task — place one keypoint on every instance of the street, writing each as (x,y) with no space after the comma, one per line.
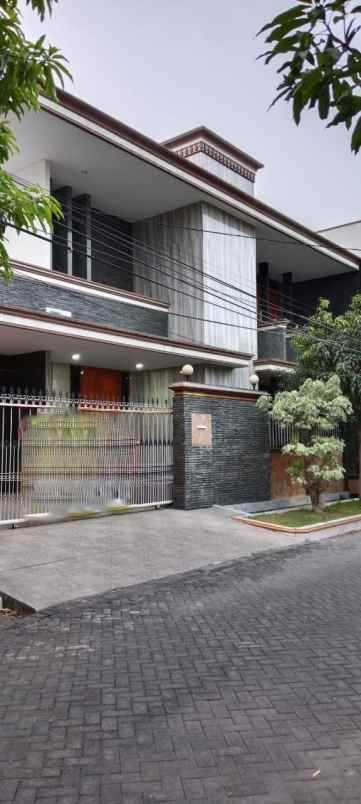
(239,683)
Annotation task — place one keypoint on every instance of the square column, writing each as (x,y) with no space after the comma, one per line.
(263,287)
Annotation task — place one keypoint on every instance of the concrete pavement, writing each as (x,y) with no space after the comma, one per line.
(47,564)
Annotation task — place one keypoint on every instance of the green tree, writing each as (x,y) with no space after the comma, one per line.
(321,62)
(312,411)
(27,70)
(332,344)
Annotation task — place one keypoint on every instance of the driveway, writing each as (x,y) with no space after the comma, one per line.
(48,564)
(240,684)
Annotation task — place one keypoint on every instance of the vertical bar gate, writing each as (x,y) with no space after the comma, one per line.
(62,455)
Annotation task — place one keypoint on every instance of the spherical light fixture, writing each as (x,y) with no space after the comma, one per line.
(139,366)
(254,380)
(187,371)
(76,356)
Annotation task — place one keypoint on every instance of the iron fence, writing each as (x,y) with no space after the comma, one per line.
(75,455)
(280,435)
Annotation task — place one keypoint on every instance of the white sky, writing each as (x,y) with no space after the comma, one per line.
(164,67)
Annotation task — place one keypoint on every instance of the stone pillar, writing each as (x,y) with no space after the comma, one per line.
(221,446)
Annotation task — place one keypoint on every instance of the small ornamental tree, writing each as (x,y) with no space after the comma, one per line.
(330,344)
(312,412)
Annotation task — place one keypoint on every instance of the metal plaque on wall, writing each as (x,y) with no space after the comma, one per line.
(201,430)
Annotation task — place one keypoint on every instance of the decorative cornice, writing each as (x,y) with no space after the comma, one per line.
(207,135)
(204,147)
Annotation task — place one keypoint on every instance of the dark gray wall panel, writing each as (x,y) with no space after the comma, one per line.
(35,295)
(338,289)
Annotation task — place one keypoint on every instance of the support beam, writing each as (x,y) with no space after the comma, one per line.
(286,290)
(82,237)
(62,256)
(263,287)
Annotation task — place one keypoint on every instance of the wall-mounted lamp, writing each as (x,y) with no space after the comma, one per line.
(254,380)
(139,366)
(76,356)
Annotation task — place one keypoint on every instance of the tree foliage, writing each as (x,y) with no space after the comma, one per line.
(311,412)
(331,344)
(27,70)
(321,62)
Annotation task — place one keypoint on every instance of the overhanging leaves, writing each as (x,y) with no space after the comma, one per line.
(323,68)
(27,70)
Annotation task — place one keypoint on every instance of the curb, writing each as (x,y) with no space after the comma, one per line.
(335,523)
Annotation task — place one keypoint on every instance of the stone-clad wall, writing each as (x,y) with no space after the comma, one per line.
(34,295)
(236,465)
(272,343)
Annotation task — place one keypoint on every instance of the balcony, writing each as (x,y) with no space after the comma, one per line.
(274,342)
(41,291)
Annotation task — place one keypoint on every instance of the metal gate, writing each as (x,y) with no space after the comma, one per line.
(78,456)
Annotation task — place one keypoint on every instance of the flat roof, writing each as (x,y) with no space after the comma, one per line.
(253,207)
(340,226)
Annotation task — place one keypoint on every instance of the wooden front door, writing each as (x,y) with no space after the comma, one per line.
(98,383)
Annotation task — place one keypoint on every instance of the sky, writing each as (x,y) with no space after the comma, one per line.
(165,67)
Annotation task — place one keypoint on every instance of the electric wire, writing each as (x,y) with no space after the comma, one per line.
(121,237)
(187,316)
(262,298)
(117,234)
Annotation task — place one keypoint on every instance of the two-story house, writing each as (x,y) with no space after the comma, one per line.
(164,257)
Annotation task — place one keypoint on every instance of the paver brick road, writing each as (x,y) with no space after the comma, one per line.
(239,684)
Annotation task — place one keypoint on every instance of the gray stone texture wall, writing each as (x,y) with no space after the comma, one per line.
(236,468)
(290,352)
(34,295)
(272,344)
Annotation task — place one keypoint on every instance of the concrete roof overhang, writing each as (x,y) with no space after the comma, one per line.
(23,331)
(132,176)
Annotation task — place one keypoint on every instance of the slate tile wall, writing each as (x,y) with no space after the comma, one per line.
(35,295)
(236,469)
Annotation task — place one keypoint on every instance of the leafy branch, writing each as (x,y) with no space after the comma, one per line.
(27,71)
(323,63)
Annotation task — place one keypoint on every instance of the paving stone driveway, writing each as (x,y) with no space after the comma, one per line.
(236,684)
